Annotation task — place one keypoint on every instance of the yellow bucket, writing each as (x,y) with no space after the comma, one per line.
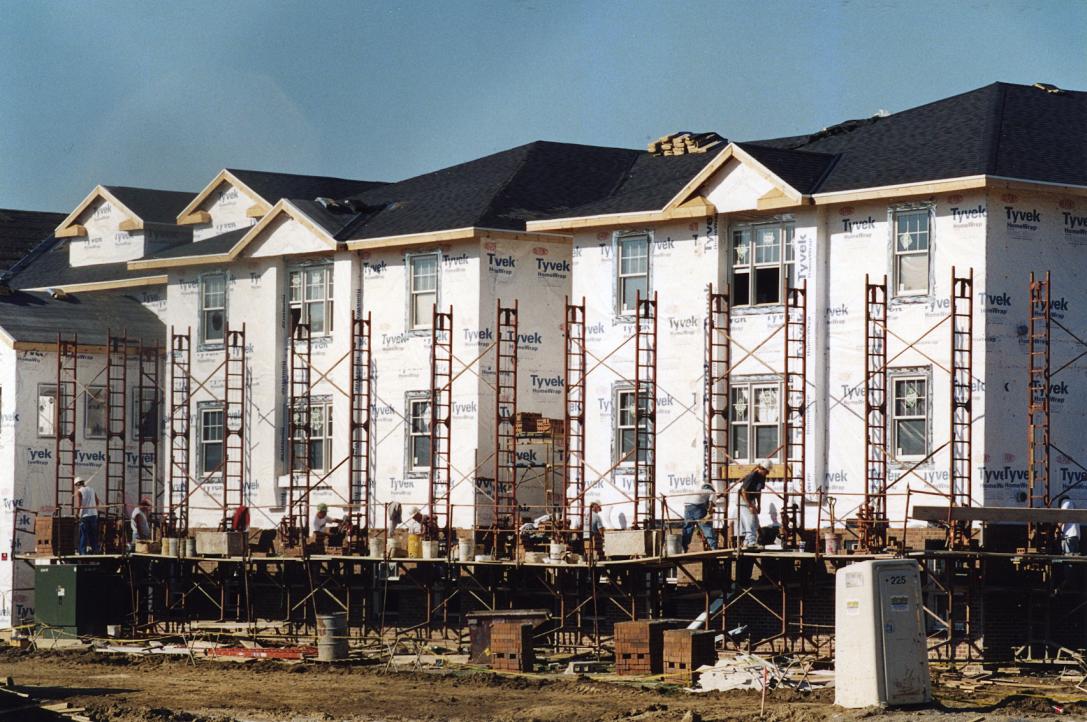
(415,546)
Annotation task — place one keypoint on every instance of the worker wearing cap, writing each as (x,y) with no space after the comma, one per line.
(318,525)
(751,487)
(86,508)
(414,523)
(141,525)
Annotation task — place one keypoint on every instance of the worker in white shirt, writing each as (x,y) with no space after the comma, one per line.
(141,526)
(1069,531)
(318,525)
(414,523)
(86,508)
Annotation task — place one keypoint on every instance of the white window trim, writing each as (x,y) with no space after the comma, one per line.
(908,374)
(411,398)
(786,263)
(893,214)
(618,276)
(202,310)
(328,299)
(326,436)
(411,323)
(203,409)
(753,383)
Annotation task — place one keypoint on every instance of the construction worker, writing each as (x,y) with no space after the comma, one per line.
(751,487)
(320,521)
(596,529)
(695,511)
(414,523)
(86,508)
(1069,531)
(140,522)
(240,520)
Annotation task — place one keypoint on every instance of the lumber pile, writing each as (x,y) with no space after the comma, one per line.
(684,143)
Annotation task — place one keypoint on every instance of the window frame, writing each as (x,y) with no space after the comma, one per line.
(412,323)
(894,377)
(42,388)
(410,400)
(619,453)
(621,309)
(924,211)
(203,310)
(101,394)
(325,438)
(750,423)
(137,414)
(785,264)
(202,411)
(303,303)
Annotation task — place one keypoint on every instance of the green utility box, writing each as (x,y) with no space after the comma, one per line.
(78,599)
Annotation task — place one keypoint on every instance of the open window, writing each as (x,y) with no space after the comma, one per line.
(755,420)
(311,299)
(911,252)
(763,263)
(320,438)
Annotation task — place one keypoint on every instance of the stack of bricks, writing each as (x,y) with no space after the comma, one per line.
(686,650)
(639,646)
(511,647)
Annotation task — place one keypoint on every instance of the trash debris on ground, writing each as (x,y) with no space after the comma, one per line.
(748,671)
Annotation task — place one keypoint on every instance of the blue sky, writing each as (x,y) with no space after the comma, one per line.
(165,94)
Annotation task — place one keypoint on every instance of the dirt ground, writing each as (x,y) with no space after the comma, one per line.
(116,688)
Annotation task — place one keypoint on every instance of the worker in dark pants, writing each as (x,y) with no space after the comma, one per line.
(751,487)
(86,508)
(696,513)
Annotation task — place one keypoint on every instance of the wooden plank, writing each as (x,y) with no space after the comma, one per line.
(996,514)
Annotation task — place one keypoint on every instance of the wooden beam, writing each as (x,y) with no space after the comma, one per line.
(256,210)
(131,224)
(72,231)
(697,207)
(194,218)
(998,514)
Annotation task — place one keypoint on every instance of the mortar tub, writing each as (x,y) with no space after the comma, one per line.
(673,545)
(190,546)
(557,550)
(466,550)
(376,547)
(332,637)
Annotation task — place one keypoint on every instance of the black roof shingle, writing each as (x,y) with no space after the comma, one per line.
(151,205)
(274,186)
(37,317)
(20,231)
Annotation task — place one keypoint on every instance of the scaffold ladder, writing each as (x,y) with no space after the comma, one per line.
(149,402)
(299,430)
(361,391)
(64,420)
(962,414)
(796,365)
(718,361)
(1038,387)
(573,501)
(180,431)
(505,414)
(645,412)
(116,392)
(873,516)
(441,421)
(234,423)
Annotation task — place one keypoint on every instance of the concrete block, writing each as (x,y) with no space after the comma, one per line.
(221,543)
(630,543)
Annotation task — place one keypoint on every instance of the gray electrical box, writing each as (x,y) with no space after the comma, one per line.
(880,650)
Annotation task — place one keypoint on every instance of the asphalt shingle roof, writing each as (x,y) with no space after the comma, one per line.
(37,317)
(274,186)
(20,231)
(46,266)
(1002,129)
(150,205)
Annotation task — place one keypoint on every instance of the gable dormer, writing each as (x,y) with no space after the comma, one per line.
(119,223)
(226,204)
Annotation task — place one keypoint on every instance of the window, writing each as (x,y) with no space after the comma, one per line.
(47,410)
(755,427)
(626,429)
(633,279)
(909,420)
(311,299)
(418,434)
(146,415)
(212,308)
(422,290)
(911,250)
(320,437)
(94,418)
(763,264)
(211,439)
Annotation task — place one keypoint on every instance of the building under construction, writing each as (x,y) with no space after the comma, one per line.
(885,312)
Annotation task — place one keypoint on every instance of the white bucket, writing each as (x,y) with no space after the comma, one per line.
(190,547)
(430,549)
(391,546)
(557,550)
(466,550)
(673,545)
(376,547)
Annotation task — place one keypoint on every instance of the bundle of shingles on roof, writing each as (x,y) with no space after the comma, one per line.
(684,142)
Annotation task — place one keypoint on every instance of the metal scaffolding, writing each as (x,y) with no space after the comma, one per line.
(64,420)
(148,405)
(116,391)
(234,408)
(962,408)
(1039,536)
(441,422)
(299,429)
(795,396)
(505,415)
(361,429)
(645,413)
(574,416)
(180,431)
(718,363)
(873,513)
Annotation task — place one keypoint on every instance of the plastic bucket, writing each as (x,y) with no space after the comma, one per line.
(376,547)
(830,543)
(169,546)
(429,549)
(466,550)
(415,546)
(556,550)
(332,637)
(673,545)
(190,546)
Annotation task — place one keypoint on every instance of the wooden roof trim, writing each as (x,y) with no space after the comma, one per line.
(696,207)
(113,285)
(98,192)
(188,215)
(282,207)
